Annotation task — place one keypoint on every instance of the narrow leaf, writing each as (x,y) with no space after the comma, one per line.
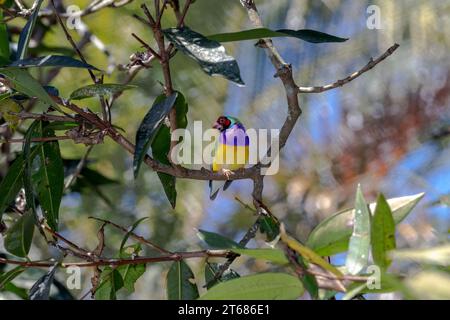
(41,289)
(23,82)
(7,277)
(25,34)
(383,233)
(4,41)
(263,286)
(180,282)
(259,33)
(216,241)
(149,127)
(95,90)
(131,272)
(48,179)
(11,183)
(18,237)
(269,225)
(209,54)
(332,235)
(52,61)
(359,246)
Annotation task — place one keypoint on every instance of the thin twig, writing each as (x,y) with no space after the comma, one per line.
(78,169)
(134,235)
(371,64)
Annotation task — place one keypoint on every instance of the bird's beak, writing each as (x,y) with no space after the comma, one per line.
(217,126)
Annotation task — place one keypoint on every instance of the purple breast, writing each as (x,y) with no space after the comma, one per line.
(234,136)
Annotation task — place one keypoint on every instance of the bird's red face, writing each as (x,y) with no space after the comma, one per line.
(222,123)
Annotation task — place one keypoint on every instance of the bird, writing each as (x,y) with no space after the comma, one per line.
(231,151)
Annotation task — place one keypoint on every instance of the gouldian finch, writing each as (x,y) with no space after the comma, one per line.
(231,151)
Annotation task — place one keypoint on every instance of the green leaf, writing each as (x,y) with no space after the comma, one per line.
(160,150)
(180,282)
(332,235)
(32,132)
(95,90)
(62,125)
(161,147)
(150,126)
(216,241)
(439,255)
(350,294)
(48,179)
(273,255)
(383,233)
(7,277)
(4,41)
(259,33)
(18,237)
(262,286)
(110,282)
(41,289)
(269,225)
(131,272)
(25,34)
(52,61)
(20,292)
(23,82)
(11,183)
(359,245)
(209,54)
(210,271)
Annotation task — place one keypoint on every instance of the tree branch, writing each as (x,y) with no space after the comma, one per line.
(339,83)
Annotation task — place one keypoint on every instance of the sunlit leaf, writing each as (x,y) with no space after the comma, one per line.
(428,285)
(7,106)
(259,33)
(181,282)
(382,233)
(359,245)
(332,235)
(263,286)
(209,54)
(96,90)
(18,237)
(149,127)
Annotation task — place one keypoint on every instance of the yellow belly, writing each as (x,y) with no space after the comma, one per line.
(230,157)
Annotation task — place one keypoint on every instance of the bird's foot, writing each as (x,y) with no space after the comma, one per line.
(228,173)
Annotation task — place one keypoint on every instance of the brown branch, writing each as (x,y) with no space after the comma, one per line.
(176,256)
(371,64)
(147,46)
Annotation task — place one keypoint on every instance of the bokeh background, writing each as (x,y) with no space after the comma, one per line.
(388,130)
